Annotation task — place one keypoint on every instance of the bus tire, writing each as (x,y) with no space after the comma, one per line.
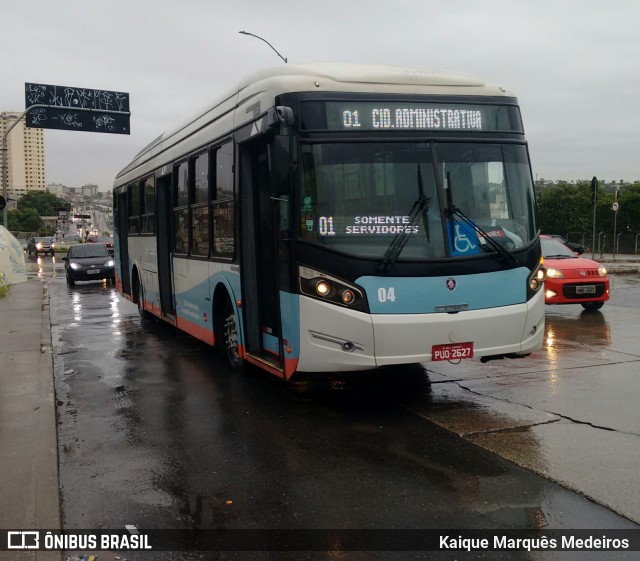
(230,347)
(144,315)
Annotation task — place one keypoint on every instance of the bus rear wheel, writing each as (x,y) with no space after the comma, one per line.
(144,315)
(231,347)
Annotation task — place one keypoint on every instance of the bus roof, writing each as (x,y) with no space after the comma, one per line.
(265,85)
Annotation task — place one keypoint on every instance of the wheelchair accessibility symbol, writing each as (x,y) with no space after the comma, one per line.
(464,240)
(461,241)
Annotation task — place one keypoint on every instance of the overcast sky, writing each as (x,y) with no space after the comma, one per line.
(573,64)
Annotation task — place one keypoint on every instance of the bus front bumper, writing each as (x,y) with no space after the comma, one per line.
(333,338)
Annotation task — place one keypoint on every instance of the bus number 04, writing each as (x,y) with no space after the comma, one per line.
(386,294)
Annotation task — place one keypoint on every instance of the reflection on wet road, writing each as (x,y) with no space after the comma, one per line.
(156,431)
(577,397)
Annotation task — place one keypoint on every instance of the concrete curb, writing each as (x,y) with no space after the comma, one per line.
(29,487)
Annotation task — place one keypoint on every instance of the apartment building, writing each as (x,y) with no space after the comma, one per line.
(25,156)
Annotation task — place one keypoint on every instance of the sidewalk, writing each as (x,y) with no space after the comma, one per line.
(29,492)
(618,264)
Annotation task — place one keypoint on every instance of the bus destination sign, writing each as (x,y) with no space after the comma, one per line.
(380,116)
(408,117)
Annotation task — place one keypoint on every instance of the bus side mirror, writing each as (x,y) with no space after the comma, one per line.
(280,115)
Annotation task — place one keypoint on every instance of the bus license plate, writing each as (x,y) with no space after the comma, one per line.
(93,271)
(587,289)
(453,351)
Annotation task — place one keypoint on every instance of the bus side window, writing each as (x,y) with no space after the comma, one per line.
(222,205)
(134,208)
(198,201)
(181,209)
(148,206)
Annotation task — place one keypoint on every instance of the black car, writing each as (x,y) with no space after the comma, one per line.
(576,247)
(89,262)
(106,240)
(41,245)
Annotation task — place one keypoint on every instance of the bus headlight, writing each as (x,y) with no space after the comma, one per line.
(323,288)
(536,279)
(331,290)
(348,296)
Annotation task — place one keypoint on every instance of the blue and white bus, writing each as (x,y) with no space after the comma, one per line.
(333,217)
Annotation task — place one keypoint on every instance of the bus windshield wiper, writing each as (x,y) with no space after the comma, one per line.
(420,208)
(504,252)
(452,211)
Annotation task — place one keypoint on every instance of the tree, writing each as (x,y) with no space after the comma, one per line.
(45,204)
(565,208)
(629,213)
(24,220)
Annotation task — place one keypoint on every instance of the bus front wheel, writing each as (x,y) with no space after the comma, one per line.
(231,347)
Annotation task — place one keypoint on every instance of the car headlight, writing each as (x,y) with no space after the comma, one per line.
(602,271)
(109,263)
(554,273)
(39,245)
(74,266)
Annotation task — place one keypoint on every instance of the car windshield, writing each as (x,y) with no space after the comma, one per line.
(88,250)
(43,240)
(553,249)
(358,197)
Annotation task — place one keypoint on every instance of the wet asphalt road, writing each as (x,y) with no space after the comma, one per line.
(156,431)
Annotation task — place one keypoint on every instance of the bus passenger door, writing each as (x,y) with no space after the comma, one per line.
(123,240)
(260,291)
(165,248)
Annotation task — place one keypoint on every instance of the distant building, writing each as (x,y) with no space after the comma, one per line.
(58,190)
(89,191)
(25,156)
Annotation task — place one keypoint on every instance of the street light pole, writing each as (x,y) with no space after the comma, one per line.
(267,42)
(594,200)
(5,163)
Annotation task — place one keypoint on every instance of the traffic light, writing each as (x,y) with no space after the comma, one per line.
(594,190)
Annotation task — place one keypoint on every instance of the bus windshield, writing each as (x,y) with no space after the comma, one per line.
(358,198)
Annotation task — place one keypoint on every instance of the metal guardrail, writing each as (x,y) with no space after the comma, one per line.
(24,235)
(623,243)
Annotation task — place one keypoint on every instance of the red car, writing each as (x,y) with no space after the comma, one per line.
(105,240)
(572,279)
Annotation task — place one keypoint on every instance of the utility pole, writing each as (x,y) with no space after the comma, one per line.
(594,200)
(615,220)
